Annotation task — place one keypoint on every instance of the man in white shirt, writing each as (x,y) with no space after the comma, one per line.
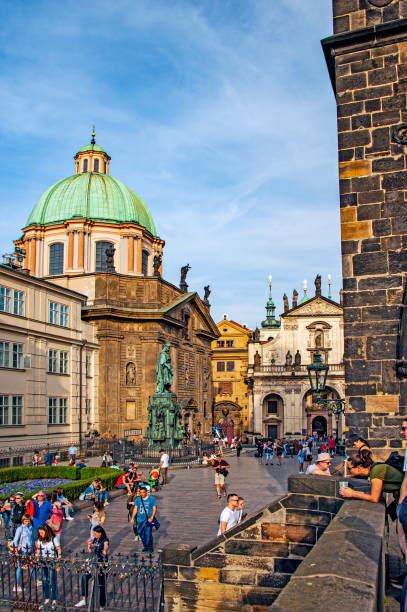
(228,518)
(164,463)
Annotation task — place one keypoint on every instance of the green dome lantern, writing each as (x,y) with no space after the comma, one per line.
(91,194)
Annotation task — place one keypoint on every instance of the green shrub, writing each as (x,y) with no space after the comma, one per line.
(14,474)
(98,472)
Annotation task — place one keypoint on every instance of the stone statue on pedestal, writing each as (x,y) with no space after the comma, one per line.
(183,281)
(164,411)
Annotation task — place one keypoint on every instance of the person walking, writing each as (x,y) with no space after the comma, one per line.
(331,445)
(72,450)
(228,517)
(98,545)
(164,463)
(46,551)
(145,509)
(238,447)
(269,453)
(260,450)
(46,457)
(220,466)
(300,460)
(36,459)
(279,451)
(23,544)
(98,516)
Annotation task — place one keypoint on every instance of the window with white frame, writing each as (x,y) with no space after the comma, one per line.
(62,410)
(16,409)
(63,362)
(11,301)
(3,409)
(58,314)
(52,361)
(11,355)
(11,410)
(57,410)
(57,362)
(53,313)
(18,302)
(5,299)
(63,315)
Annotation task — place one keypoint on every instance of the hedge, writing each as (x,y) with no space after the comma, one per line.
(14,474)
(81,478)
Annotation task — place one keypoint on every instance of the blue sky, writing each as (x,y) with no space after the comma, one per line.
(218,113)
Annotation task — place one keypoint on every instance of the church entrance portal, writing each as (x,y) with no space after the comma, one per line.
(272,431)
(320,425)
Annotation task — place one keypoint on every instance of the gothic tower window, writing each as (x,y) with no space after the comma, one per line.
(101,258)
(56,258)
(96,165)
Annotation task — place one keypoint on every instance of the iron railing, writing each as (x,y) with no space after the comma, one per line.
(125,451)
(121,583)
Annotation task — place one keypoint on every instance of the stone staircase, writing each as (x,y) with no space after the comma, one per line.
(247,568)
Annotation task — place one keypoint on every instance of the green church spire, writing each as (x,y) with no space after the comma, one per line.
(270,320)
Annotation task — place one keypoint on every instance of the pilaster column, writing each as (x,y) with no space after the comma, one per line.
(33,255)
(70,249)
(81,239)
(130,265)
(139,255)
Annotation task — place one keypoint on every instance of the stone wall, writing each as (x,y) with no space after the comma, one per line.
(306,543)
(367,61)
(248,567)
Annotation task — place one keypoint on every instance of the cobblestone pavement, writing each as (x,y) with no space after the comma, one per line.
(188,508)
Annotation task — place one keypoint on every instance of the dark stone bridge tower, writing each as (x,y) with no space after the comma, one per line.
(367,62)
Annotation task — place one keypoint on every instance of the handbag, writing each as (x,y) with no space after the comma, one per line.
(154,522)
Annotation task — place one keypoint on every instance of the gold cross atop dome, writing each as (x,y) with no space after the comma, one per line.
(93,141)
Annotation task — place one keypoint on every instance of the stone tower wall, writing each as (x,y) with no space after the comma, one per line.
(367,61)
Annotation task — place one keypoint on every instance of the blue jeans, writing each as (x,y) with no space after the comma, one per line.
(67,510)
(403,600)
(102,496)
(49,578)
(6,516)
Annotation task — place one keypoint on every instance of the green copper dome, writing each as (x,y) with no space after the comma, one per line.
(92,147)
(91,195)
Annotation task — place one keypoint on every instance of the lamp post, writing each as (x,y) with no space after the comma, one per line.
(317,374)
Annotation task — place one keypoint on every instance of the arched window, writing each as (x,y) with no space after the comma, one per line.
(96,165)
(56,258)
(104,167)
(144,263)
(85,165)
(101,258)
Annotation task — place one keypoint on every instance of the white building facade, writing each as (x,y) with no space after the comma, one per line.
(48,366)
(281,402)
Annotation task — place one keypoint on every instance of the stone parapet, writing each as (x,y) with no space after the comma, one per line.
(247,568)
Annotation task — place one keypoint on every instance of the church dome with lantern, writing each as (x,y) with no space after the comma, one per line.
(78,217)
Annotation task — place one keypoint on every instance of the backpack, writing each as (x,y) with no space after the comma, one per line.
(396,461)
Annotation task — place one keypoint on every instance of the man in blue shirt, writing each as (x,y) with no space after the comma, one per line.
(47,457)
(145,509)
(72,452)
(42,511)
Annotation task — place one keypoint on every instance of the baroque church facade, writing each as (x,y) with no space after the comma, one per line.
(91,234)
(280,400)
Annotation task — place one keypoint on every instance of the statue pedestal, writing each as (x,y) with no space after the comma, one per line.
(165,421)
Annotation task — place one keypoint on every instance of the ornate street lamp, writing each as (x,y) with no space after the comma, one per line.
(317,374)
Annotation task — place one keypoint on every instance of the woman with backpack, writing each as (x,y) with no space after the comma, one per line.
(383,477)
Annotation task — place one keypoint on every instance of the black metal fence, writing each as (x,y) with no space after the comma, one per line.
(125,451)
(118,584)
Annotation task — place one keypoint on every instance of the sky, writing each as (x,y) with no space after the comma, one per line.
(218,113)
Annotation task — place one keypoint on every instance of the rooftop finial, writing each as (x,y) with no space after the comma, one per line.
(93,141)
